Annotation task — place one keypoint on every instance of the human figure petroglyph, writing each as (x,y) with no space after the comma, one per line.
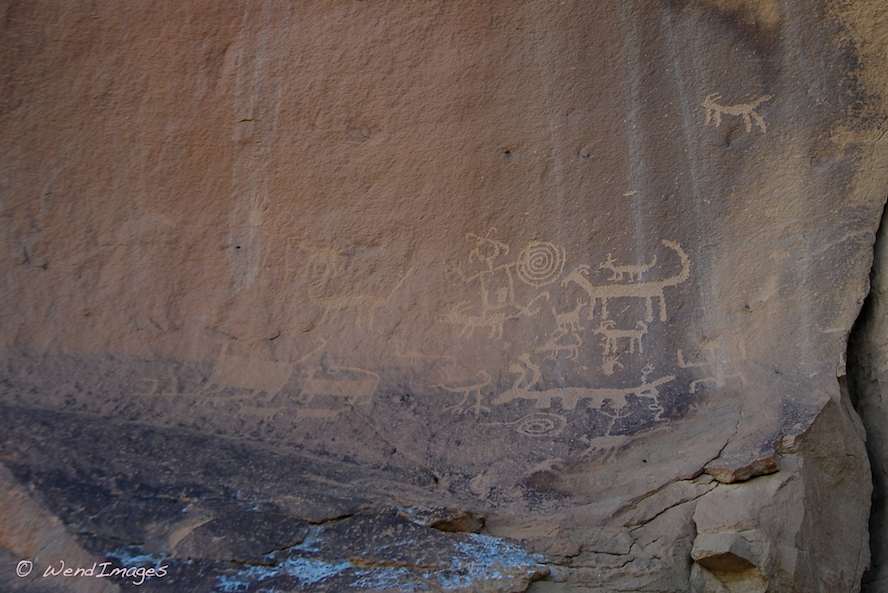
(570,396)
(633,271)
(485,252)
(468,391)
(539,263)
(486,249)
(600,294)
(611,336)
(747,111)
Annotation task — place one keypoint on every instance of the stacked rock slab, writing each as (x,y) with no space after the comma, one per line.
(445,296)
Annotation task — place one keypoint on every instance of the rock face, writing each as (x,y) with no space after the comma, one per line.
(442,296)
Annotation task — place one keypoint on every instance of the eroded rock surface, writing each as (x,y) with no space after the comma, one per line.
(440,296)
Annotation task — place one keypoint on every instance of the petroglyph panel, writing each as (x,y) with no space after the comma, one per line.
(498,254)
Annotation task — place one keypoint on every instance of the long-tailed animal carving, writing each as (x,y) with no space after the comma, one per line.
(612,336)
(570,396)
(651,290)
(634,272)
(468,391)
(715,110)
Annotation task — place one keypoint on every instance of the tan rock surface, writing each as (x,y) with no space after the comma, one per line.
(585,270)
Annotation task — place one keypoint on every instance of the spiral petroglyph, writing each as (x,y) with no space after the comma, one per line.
(540,263)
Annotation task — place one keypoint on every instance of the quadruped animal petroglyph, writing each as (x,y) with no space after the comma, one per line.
(715,363)
(493,320)
(571,396)
(612,335)
(650,291)
(472,390)
(328,287)
(715,110)
(634,272)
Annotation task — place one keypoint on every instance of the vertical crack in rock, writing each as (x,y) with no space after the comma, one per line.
(867,369)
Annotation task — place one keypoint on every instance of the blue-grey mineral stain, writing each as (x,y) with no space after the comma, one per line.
(129,556)
(326,561)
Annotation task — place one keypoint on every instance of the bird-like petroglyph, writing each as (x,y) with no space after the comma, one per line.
(650,291)
(715,110)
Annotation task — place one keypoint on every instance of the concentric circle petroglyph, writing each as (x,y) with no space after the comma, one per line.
(540,425)
(540,263)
